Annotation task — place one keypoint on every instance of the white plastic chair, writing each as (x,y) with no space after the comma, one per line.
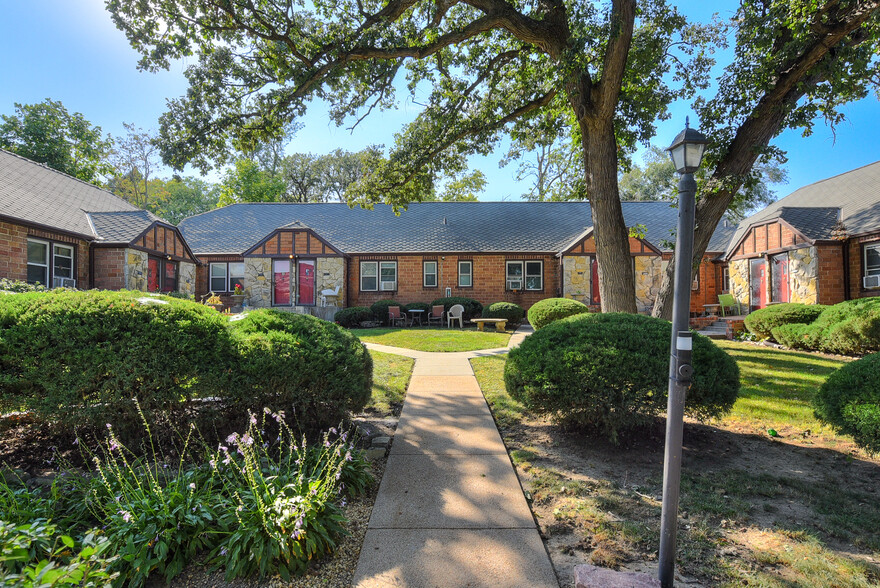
(455,314)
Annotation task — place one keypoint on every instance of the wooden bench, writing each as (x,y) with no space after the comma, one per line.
(500,324)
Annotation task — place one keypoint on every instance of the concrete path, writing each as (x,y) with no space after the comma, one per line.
(450,511)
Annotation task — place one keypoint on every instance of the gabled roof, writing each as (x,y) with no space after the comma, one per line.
(37,194)
(122,227)
(425,227)
(852,197)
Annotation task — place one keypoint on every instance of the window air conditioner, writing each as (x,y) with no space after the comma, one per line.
(388,286)
(63,283)
(514,284)
(871,281)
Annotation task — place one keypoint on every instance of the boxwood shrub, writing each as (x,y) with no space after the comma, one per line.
(472,308)
(847,328)
(546,311)
(380,309)
(505,310)
(791,335)
(300,364)
(849,401)
(353,316)
(761,322)
(417,306)
(609,373)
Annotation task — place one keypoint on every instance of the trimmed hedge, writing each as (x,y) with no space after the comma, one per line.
(609,373)
(546,311)
(761,322)
(790,335)
(849,401)
(505,310)
(472,308)
(298,363)
(380,309)
(353,316)
(417,306)
(847,328)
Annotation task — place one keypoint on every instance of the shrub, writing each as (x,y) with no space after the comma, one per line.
(790,335)
(609,372)
(548,310)
(353,316)
(380,309)
(472,308)
(849,401)
(78,358)
(8,285)
(849,328)
(290,361)
(417,306)
(761,322)
(505,310)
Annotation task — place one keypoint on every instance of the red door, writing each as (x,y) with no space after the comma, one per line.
(780,278)
(758,286)
(281,282)
(594,281)
(305,284)
(152,274)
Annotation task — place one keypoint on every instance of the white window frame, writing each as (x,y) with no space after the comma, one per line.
(232,277)
(511,279)
(384,265)
(539,275)
(224,277)
(725,279)
(47,267)
(425,273)
(469,274)
(71,257)
(872,271)
(375,276)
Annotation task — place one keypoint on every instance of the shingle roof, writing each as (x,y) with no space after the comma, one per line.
(121,227)
(509,227)
(853,197)
(35,193)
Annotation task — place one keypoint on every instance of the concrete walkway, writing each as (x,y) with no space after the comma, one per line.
(450,511)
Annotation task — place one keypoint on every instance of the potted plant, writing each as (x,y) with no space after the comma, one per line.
(237,298)
(214,302)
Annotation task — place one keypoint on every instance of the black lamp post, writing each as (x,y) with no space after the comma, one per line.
(686,152)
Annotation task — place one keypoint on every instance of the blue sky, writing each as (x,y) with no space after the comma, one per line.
(69,50)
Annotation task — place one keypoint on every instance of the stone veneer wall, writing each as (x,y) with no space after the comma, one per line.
(186,278)
(136,270)
(576,278)
(649,276)
(330,273)
(258,282)
(739,281)
(803,269)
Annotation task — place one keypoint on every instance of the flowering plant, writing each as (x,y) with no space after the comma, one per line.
(213,299)
(238,290)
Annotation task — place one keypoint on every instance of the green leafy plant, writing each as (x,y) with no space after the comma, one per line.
(472,308)
(847,328)
(609,373)
(546,311)
(8,285)
(762,321)
(849,401)
(513,313)
(353,316)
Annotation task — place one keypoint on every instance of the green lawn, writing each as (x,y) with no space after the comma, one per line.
(391,374)
(434,339)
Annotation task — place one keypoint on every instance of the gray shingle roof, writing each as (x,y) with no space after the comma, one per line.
(466,227)
(35,193)
(121,227)
(853,197)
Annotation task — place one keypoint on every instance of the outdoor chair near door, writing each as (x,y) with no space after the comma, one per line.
(436,314)
(729,305)
(396,316)
(455,313)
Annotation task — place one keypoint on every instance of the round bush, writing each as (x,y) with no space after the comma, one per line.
(609,373)
(849,401)
(311,369)
(848,328)
(546,311)
(353,316)
(791,335)
(513,313)
(417,306)
(472,308)
(761,322)
(78,358)
(380,309)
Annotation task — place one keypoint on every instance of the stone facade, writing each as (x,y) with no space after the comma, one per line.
(803,267)
(739,281)
(186,278)
(576,278)
(258,282)
(649,276)
(136,270)
(330,274)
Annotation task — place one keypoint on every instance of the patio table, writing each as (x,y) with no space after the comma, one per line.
(416,315)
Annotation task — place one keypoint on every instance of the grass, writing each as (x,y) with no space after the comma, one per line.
(434,339)
(391,374)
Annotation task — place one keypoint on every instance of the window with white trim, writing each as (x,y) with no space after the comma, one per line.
(37,262)
(465,274)
(62,262)
(429,274)
(388,276)
(236,275)
(872,260)
(525,275)
(218,277)
(369,276)
(224,276)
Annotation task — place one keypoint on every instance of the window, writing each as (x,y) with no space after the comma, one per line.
(161,275)
(62,262)
(528,275)
(429,273)
(218,277)
(369,271)
(779,290)
(725,279)
(465,274)
(872,260)
(234,271)
(37,262)
(388,275)
(236,275)
(281,282)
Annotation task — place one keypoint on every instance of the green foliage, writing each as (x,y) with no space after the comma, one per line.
(7,285)
(417,306)
(287,361)
(762,321)
(178,198)
(849,401)
(353,316)
(791,335)
(609,372)
(848,328)
(472,308)
(245,181)
(47,133)
(380,309)
(507,310)
(546,311)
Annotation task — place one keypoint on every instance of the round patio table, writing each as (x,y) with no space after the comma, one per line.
(416,315)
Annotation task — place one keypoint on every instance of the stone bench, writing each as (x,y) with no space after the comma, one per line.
(500,324)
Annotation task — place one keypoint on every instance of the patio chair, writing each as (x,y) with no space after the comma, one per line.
(436,314)
(396,316)
(728,303)
(455,313)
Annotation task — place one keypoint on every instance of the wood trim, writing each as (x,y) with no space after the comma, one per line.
(251,252)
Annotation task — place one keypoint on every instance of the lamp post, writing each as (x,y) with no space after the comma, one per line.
(686,152)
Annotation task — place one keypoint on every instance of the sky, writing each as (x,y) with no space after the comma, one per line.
(69,50)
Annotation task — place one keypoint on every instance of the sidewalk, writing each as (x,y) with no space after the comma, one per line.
(450,511)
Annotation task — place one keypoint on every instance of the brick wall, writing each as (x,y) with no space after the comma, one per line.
(13,251)
(855,266)
(830,282)
(109,268)
(708,290)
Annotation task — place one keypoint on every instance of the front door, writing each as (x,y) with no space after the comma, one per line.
(281,282)
(780,278)
(758,286)
(594,281)
(305,282)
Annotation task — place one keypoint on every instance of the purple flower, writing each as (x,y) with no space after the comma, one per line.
(76,441)
(232,438)
(247,440)
(348,456)
(109,426)
(223,551)
(114,446)
(126,516)
(213,464)
(192,486)
(253,419)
